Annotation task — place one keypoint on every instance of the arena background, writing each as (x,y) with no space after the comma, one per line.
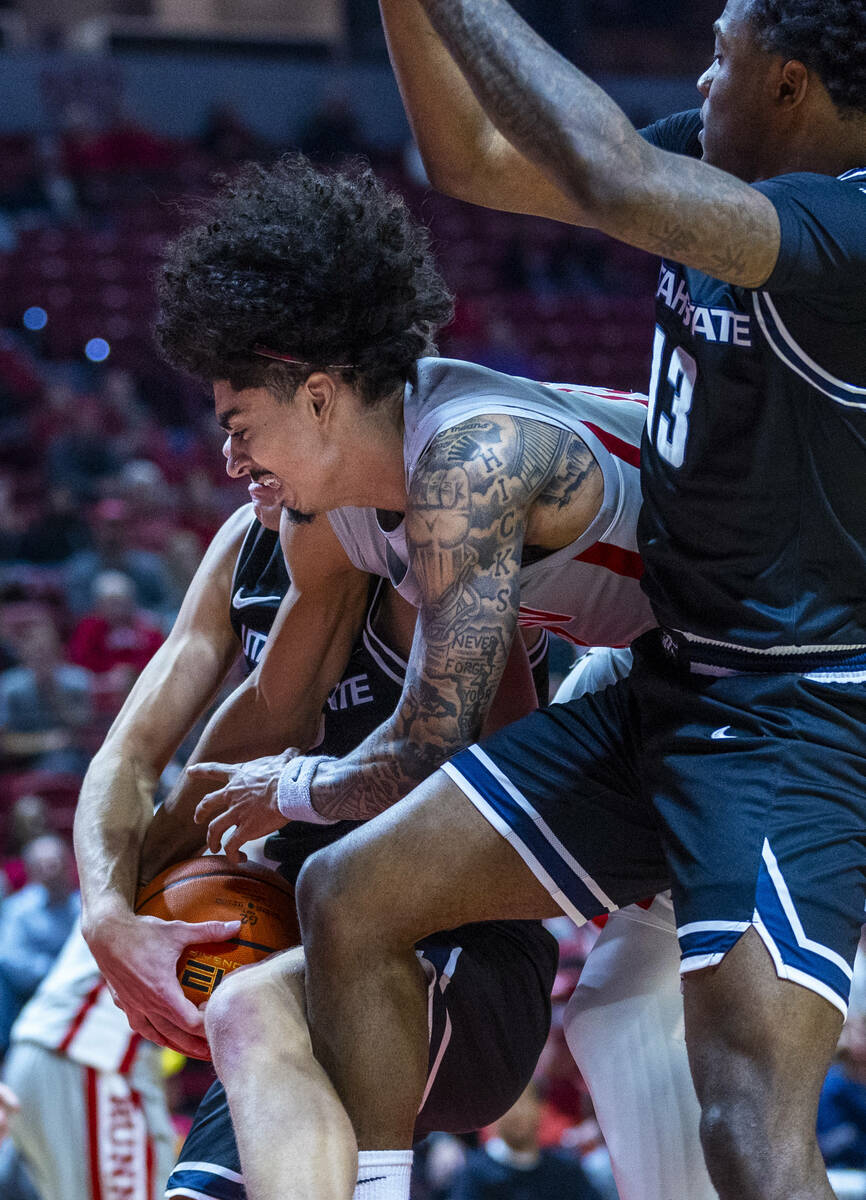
(111,480)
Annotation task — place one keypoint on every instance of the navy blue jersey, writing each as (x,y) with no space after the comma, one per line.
(753,529)
(260,582)
(366,696)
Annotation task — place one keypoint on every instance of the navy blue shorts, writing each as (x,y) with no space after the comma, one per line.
(745,793)
(488,1013)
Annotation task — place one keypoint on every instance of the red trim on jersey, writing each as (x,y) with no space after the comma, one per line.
(602,918)
(129,1057)
(92,1103)
(617,447)
(78,1020)
(150,1154)
(604,393)
(613,558)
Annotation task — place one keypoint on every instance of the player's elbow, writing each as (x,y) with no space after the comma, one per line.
(456,179)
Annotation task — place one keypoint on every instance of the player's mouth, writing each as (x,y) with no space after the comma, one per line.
(264,486)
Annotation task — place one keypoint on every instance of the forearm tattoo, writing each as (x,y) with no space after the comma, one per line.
(465,525)
(562,121)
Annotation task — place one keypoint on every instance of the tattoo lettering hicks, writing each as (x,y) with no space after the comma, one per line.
(465,523)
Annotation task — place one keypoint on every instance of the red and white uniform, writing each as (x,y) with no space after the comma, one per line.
(588,591)
(94,1124)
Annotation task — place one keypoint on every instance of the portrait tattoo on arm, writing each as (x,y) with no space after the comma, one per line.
(465,524)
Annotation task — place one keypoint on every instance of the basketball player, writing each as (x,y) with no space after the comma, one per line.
(731,762)
(93,1119)
(520,502)
(487,988)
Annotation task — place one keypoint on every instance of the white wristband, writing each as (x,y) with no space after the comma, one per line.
(293,789)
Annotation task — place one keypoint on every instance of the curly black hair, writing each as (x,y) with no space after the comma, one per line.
(828,36)
(326,266)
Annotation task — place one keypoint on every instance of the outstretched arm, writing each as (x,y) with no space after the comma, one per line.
(579,139)
(463,152)
(116,803)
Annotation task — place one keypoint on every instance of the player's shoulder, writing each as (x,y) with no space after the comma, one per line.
(228,539)
(313,551)
(833,202)
(237,524)
(677,133)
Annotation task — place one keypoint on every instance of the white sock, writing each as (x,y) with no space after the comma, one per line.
(383,1175)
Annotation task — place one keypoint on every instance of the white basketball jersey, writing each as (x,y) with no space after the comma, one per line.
(72,1013)
(587,592)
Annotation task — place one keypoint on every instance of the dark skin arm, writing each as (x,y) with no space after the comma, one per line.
(576,140)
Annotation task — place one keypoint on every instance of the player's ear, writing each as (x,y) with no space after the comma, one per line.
(321,390)
(794,83)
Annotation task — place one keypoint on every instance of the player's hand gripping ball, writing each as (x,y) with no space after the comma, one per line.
(213,889)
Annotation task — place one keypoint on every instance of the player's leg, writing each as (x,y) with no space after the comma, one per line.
(435,862)
(294,1137)
(625,1029)
(81,1131)
(363,906)
(759,1047)
(147,1083)
(624,1026)
(489,1010)
(760,783)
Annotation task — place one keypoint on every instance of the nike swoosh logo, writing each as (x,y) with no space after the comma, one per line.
(375,1179)
(239,600)
(718,734)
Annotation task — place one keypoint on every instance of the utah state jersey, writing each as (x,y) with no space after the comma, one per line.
(259,585)
(366,696)
(753,528)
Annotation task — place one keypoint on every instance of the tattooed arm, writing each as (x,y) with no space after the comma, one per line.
(580,140)
(464,154)
(465,525)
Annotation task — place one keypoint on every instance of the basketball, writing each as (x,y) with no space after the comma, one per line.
(213,889)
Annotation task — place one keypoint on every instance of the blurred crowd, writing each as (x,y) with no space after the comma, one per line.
(112,484)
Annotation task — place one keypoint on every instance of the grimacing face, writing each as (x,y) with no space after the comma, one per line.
(271,443)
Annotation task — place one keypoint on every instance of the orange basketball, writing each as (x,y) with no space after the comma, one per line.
(213,889)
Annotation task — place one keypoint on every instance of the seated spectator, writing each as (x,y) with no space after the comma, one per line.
(513,1165)
(332,132)
(36,922)
(58,532)
(81,457)
(227,136)
(28,820)
(112,551)
(45,705)
(116,639)
(842,1106)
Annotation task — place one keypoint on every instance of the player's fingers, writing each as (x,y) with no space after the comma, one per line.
(231,847)
(218,827)
(212,770)
(210,805)
(195,932)
(156,1029)
(8,1098)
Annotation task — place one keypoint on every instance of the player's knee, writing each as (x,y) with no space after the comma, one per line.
(250,1010)
(745,1157)
(230,1015)
(333,899)
(727,1137)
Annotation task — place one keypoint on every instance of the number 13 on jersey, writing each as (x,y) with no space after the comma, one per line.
(672,390)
